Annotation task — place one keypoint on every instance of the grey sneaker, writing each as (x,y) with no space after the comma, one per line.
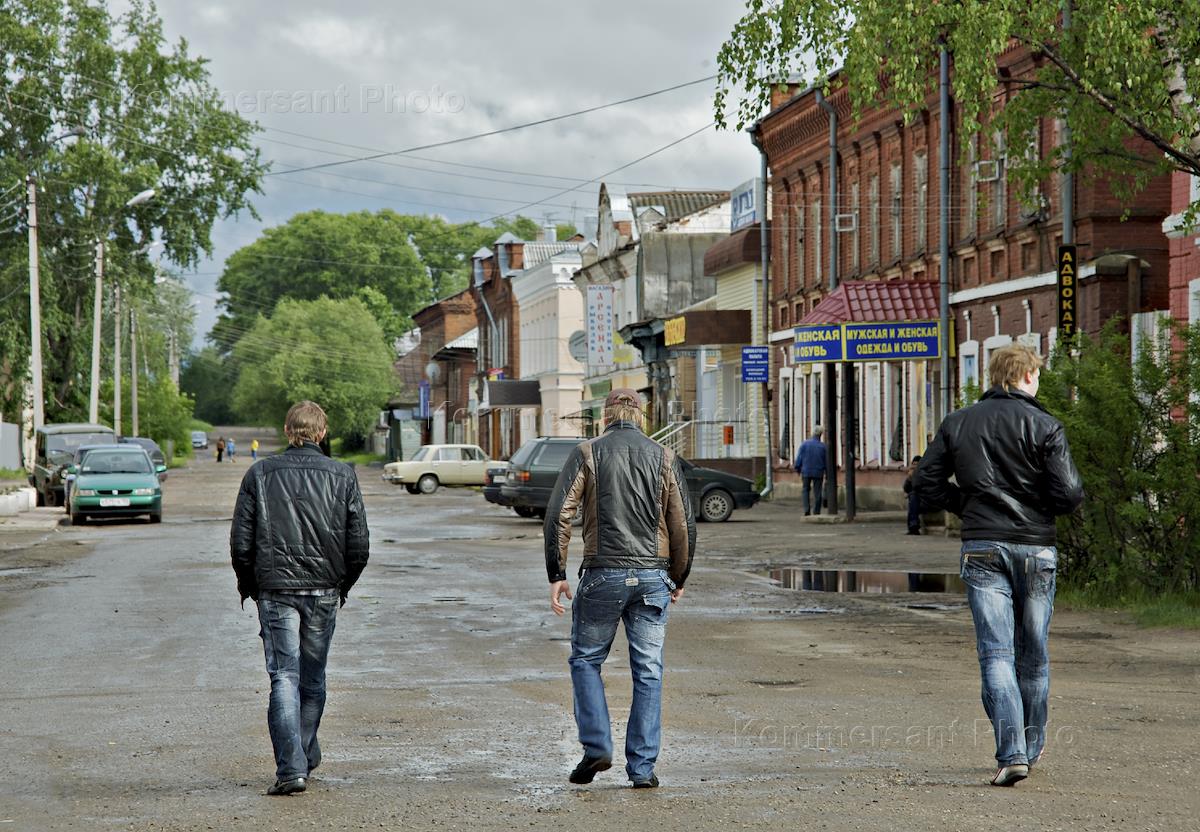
(1010,775)
(293,786)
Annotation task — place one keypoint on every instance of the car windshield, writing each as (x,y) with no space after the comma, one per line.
(115,462)
(524,453)
(63,445)
(555,454)
(421,453)
(198,434)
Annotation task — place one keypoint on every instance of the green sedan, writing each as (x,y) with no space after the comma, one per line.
(116,482)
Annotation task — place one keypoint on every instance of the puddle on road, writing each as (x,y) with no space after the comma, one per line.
(870,582)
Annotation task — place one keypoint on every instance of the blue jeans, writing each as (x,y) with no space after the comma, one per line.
(813,483)
(1010,589)
(296,632)
(640,598)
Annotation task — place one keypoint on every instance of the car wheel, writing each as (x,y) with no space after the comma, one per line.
(156,518)
(78,519)
(523,511)
(40,498)
(427,484)
(51,498)
(411,488)
(716,506)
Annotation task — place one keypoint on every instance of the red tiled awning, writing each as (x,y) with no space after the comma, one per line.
(869,301)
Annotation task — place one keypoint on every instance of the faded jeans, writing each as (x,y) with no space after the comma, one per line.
(1010,589)
(640,598)
(296,632)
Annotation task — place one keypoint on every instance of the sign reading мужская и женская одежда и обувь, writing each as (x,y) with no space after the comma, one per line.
(905,340)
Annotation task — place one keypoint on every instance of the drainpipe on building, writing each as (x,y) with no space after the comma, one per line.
(944,230)
(848,393)
(764,306)
(1068,192)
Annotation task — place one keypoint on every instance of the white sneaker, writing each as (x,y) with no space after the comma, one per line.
(1010,775)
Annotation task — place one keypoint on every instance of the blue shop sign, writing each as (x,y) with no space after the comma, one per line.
(756,364)
(906,340)
(817,344)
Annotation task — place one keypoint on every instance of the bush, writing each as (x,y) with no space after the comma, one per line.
(1134,431)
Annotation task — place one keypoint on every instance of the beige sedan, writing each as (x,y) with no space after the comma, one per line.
(435,465)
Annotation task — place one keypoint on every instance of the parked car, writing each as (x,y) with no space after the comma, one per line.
(118,481)
(493,479)
(436,465)
(200,440)
(535,467)
(149,446)
(54,448)
(69,473)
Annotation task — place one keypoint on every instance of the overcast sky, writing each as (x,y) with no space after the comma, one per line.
(387,75)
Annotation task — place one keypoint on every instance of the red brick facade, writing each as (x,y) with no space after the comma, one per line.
(499,340)
(1185,254)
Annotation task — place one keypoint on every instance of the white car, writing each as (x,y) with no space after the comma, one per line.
(434,465)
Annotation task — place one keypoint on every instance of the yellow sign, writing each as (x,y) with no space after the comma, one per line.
(675,331)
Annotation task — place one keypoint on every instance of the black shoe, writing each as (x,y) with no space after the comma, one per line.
(914,531)
(293,786)
(588,768)
(652,783)
(806,513)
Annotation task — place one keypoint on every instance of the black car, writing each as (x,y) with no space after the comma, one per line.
(149,445)
(493,478)
(535,467)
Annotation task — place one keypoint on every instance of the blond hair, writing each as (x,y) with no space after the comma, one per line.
(1008,365)
(305,422)
(624,412)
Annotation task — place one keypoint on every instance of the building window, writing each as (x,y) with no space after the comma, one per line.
(968,271)
(873,219)
(897,209)
(922,189)
(784,283)
(897,446)
(801,277)
(854,238)
(1028,257)
(816,227)
(997,258)
(999,192)
(970,185)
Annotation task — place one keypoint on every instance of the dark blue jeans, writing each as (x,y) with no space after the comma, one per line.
(1010,589)
(813,483)
(296,632)
(914,512)
(640,598)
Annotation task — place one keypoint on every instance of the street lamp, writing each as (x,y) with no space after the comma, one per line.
(35,292)
(94,393)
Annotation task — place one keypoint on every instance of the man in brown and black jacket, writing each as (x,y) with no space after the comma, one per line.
(639,536)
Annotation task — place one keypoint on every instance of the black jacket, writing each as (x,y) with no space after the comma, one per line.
(1013,468)
(636,509)
(299,524)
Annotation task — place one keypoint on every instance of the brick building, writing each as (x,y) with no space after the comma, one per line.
(1185,250)
(1002,270)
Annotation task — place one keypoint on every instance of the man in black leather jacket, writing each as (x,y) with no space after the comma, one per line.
(298,543)
(1014,475)
(639,536)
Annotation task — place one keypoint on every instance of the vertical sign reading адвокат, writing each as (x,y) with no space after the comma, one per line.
(1068,291)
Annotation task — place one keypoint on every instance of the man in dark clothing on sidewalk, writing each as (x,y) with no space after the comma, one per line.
(810,465)
(1014,474)
(639,536)
(299,543)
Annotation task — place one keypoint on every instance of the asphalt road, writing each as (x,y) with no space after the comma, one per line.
(134,694)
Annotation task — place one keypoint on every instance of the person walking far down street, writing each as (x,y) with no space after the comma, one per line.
(914,502)
(220,447)
(639,536)
(298,543)
(231,448)
(253,449)
(1014,475)
(810,465)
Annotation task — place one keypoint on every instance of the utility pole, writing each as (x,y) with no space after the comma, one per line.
(117,358)
(35,308)
(133,369)
(97,303)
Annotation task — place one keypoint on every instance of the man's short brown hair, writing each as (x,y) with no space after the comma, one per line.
(1008,365)
(624,405)
(305,422)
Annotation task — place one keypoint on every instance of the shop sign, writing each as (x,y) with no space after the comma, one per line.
(817,344)
(675,331)
(1067,291)
(756,364)
(916,340)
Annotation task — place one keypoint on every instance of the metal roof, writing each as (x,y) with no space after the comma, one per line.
(676,204)
(467,341)
(868,301)
(484,253)
(534,253)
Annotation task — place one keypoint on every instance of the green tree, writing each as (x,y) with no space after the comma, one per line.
(1133,425)
(1121,73)
(206,377)
(148,117)
(163,412)
(330,351)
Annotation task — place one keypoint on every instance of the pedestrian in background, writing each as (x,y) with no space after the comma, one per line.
(220,447)
(231,448)
(299,543)
(914,502)
(810,465)
(637,552)
(253,449)
(1014,474)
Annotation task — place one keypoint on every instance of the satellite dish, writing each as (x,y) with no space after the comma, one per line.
(433,372)
(577,345)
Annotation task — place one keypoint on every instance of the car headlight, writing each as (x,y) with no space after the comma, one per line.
(86,492)
(143,492)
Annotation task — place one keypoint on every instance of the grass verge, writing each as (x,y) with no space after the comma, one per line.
(200,424)
(1172,609)
(356,457)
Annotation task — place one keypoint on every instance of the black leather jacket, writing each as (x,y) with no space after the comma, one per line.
(299,524)
(636,509)
(1013,468)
